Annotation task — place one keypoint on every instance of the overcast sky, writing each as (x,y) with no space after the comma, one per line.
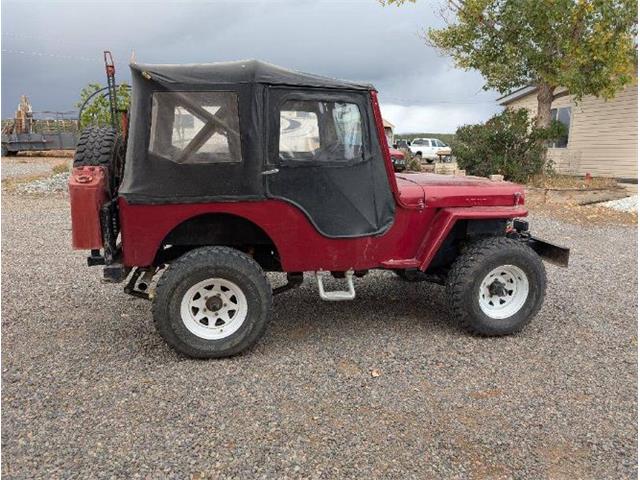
(50,50)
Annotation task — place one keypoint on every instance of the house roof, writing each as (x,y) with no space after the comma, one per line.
(516,94)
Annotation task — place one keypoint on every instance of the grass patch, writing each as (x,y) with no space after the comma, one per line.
(61,168)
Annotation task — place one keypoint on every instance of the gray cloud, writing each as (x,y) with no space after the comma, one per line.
(51,50)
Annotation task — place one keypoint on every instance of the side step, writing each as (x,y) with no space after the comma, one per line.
(338,295)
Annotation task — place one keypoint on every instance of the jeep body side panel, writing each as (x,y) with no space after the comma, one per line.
(411,242)
(301,247)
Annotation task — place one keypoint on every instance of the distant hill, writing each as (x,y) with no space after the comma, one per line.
(445,137)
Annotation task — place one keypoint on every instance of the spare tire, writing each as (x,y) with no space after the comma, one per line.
(102,147)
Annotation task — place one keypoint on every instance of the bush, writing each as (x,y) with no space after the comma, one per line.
(61,168)
(413,164)
(507,144)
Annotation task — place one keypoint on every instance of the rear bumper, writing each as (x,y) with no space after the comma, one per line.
(550,252)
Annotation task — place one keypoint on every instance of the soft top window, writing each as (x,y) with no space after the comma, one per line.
(312,130)
(195,127)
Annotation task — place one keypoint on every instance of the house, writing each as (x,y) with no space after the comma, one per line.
(388,131)
(602,134)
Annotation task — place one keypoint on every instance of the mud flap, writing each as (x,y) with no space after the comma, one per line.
(550,252)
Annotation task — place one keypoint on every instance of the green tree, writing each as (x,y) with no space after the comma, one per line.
(98,111)
(586,46)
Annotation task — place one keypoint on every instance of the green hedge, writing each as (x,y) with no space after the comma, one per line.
(507,144)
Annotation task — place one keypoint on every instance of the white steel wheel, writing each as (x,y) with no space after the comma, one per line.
(503,292)
(214,309)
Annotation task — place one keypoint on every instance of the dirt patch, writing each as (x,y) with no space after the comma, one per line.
(583,214)
(567,182)
(577,203)
(574,196)
(490,393)
(48,153)
(24,169)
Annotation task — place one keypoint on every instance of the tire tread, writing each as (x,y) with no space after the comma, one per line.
(182,266)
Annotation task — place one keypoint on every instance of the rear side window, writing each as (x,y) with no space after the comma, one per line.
(195,127)
(312,130)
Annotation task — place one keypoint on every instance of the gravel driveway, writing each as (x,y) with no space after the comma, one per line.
(17,167)
(90,391)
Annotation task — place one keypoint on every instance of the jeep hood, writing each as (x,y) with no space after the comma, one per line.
(456,191)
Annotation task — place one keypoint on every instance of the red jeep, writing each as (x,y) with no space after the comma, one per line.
(231,170)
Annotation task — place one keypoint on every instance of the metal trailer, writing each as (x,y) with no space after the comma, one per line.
(20,142)
(25,132)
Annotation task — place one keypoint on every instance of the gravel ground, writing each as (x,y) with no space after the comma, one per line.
(54,183)
(629,204)
(90,391)
(16,168)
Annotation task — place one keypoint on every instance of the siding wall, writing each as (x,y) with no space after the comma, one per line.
(603,136)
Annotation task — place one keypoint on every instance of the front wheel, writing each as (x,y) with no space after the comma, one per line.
(212,302)
(496,286)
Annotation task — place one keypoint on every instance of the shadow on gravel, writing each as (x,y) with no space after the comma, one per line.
(384,306)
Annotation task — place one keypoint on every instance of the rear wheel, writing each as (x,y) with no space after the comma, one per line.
(418,156)
(103,147)
(496,286)
(212,302)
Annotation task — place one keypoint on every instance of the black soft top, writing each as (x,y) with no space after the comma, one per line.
(170,127)
(240,72)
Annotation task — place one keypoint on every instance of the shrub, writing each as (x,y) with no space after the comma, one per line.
(413,164)
(61,168)
(507,144)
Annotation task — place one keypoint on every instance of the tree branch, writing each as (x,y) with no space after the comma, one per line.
(561,94)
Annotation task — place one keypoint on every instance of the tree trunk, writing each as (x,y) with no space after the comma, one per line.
(545,99)
(543,118)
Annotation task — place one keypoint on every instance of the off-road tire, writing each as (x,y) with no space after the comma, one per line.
(470,268)
(201,264)
(102,147)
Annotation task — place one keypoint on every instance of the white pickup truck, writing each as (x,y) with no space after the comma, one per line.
(428,149)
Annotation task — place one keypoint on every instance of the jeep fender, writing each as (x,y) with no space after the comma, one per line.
(446,218)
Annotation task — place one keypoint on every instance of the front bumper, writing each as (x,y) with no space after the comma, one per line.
(548,251)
